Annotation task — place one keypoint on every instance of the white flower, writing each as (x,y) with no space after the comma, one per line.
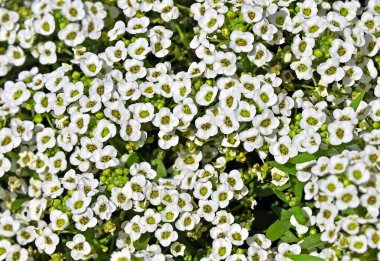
(15,93)
(90,64)
(341,50)
(340,132)
(118,29)
(5,165)
(105,157)
(103,207)
(45,139)
(139,49)
(79,247)
(266,122)
(59,220)
(221,249)
(73,10)
(137,25)
(206,127)
(347,197)
(165,120)
(241,41)
(265,30)
(358,244)
(330,71)
(211,21)
(78,202)
(165,235)
(47,53)
(47,241)
(71,35)
(150,220)
(85,220)
(283,149)
(237,235)
(279,177)
(252,13)
(285,250)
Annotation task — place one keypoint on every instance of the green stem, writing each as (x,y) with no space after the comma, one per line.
(50,122)
(183,7)
(182,36)
(307,86)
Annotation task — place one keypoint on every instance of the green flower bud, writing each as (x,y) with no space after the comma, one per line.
(298,116)
(318,53)
(225,32)
(57,202)
(76,75)
(38,118)
(242,28)
(231,14)
(209,82)
(313,231)
(109,226)
(99,115)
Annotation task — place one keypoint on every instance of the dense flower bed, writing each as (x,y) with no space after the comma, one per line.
(189,130)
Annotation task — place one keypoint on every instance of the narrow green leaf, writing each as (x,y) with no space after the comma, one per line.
(313,241)
(305,257)
(161,169)
(281,195)
(246,63)
(302,157)
(142,242)
(17,204)
(356,102)
(289,237)
(287,168)
(298,189)
(133,158)
(277,229)
(299,215)
(281,188)
(11,155)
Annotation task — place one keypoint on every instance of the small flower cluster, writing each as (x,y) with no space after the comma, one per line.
(345,190)
(202,130)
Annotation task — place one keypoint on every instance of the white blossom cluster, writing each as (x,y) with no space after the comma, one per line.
(146,129)
(345,190)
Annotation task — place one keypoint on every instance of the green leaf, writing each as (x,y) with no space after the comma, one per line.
(289,237)
(287,168)
(118,143)
(313,241)
(356,102)
(160,168)
(299,215)
(281,195)
(280,188)
(277,229)
(132,159)
(298,189)
(305,257)
(12,155)
(246,63)
(17,204)
(142,242)
(302,157)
